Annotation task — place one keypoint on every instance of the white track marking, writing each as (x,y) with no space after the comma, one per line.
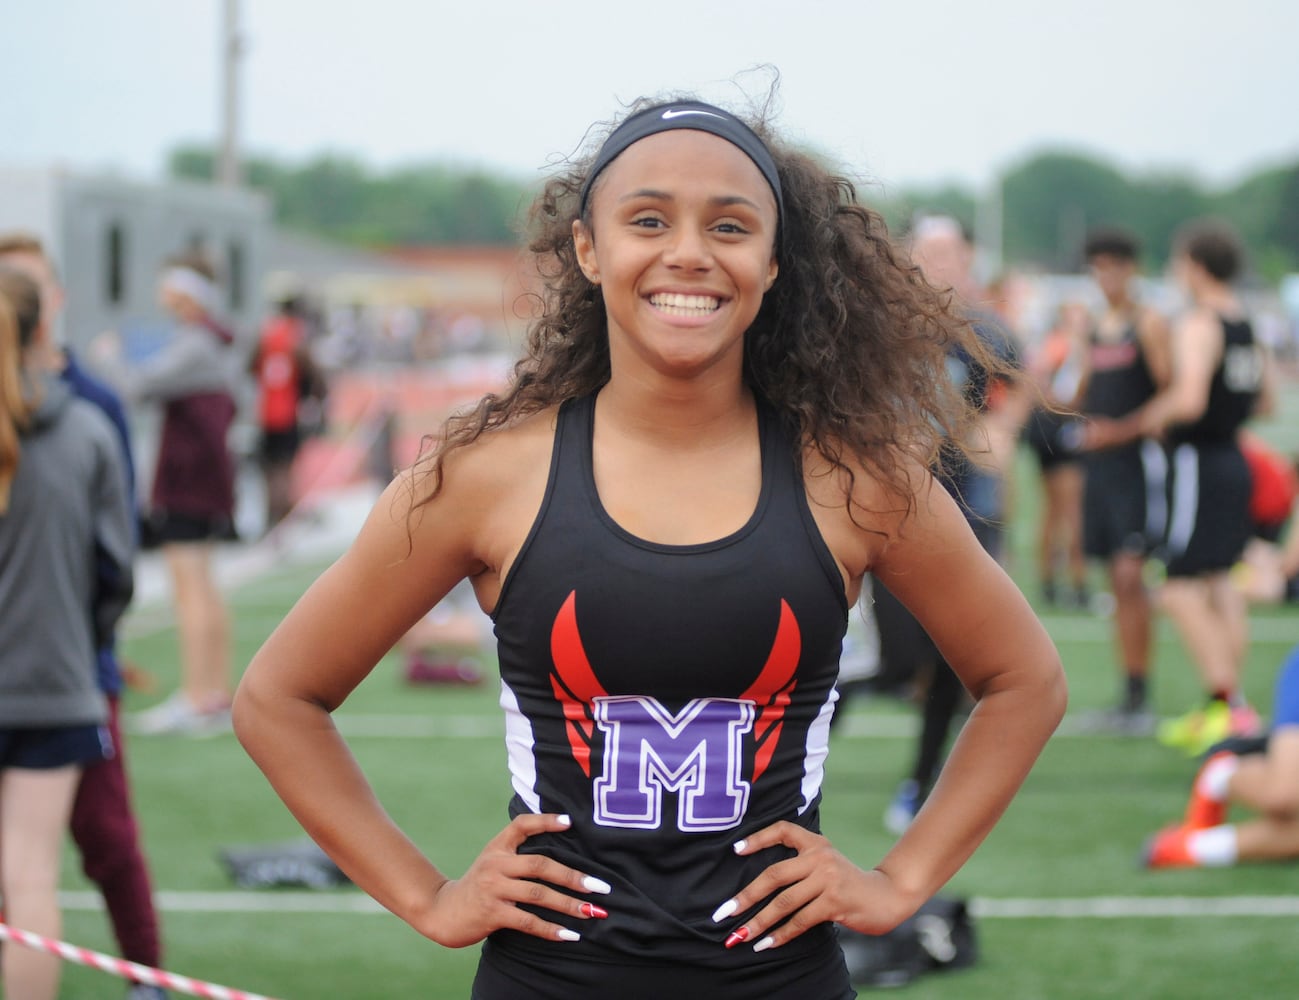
(1077,908)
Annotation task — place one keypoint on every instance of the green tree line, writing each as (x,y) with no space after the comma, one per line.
(1047,203)
(339,198)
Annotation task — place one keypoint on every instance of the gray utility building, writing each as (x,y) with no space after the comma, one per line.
(109,237)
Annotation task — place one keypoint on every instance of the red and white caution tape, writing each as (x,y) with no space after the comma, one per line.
(123,968)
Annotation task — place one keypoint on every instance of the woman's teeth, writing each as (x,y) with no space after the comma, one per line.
(685,305)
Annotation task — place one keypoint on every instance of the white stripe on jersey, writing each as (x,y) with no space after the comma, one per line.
(818,747)
(1186,497)
(519,742)
(1154,463)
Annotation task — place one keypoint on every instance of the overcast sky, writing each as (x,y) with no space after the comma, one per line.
(901,92)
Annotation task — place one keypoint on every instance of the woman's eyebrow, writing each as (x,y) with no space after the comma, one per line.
(646,193)
(719,200)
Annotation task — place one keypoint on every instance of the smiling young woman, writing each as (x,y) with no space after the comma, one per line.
(721,423)
(680,237)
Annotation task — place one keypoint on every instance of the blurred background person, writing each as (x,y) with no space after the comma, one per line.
(1261,776)
(1125,474)
(1268,571)
(448,644)
(941,248)
(1221,379)
(66,547)
(1219,376)
(287,377)
(193,377)
(103,821)
(1052,434)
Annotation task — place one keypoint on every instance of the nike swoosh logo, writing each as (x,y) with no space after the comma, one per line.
(670,113)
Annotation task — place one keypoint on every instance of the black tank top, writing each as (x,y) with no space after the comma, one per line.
(670,698)
(1120,378)
(1233,391)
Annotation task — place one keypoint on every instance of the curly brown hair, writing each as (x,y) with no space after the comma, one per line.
(20,316)
(848,346)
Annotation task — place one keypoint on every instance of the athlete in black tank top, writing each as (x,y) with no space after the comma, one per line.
(1218,380)
(1119,379)
(671,697)
(1233,390)
(1124,492)
(668,644)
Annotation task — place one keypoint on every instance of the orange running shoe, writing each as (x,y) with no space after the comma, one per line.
(1203,812)
(1169,848)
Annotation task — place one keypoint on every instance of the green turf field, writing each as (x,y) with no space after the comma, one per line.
(1064,911)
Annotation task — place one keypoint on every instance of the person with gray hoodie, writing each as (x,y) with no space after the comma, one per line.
(67,541)
(192,378)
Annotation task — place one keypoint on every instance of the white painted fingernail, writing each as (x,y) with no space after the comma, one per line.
(592,884)
(563,819)
(725,910)
(564,934)
(738,846)
(765,943)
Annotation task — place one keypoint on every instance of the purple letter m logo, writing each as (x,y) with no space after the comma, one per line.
(696,753)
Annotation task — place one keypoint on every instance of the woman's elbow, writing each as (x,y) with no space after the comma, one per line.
(1056,696)
(249,709)
(1050,690)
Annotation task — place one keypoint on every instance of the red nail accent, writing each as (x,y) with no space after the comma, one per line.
(738,935)
(591,910)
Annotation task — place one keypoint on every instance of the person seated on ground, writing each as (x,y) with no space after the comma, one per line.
(1262,776)
(1268,570)
(1289,568)
(445,645)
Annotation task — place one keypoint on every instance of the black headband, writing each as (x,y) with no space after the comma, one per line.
(692,115)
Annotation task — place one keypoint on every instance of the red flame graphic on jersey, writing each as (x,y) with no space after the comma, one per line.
(576,686)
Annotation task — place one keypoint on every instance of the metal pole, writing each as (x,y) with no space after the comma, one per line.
(988,228)
(228,173)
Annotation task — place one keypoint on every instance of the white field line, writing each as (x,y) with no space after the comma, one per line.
(235,901)
(1079,908)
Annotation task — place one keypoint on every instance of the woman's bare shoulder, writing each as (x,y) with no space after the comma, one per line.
(864,483)
(858,504)
(519,450)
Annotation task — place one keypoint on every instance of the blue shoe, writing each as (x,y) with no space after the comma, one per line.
(143,991)
(902,810)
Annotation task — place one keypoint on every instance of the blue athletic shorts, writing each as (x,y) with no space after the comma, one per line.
(54,746)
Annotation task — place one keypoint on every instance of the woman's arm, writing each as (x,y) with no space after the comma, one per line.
(190,361)
(1290,549)
(1196,351)
(988,633)
(996,645)
(1156,339)
(402,562)
(1183,375)
(115,530)
(331,639)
